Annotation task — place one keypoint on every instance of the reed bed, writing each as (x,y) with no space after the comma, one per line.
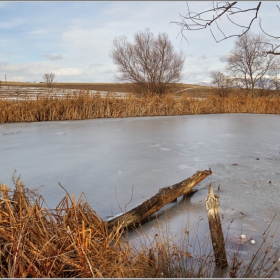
(72,241)
(68,241)
(83,105)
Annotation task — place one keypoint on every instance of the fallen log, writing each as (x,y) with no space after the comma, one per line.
(143,211)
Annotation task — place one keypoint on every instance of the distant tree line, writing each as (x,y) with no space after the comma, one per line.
(151,63)
(252,63)
(249,66)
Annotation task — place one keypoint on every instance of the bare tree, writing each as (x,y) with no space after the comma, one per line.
(246,61)
(151,63)
(230,11)
(265,85)
(274,75)
(223,82)
(49,79)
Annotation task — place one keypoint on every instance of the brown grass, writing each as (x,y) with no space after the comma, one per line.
(68,241)
(72,241)
(85,106)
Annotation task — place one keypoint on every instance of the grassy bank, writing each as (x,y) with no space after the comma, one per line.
(85,106)
(72,241)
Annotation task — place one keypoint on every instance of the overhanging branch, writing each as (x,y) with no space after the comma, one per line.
(198,20)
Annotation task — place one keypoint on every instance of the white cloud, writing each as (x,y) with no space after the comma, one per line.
(195,76)
(39,32)
(203,57)
(3,63)
(84,36)
(95,65)
(224,57)
(107,71)
(52,56)
(35,71)
(7,67)
(68,72)
(11,23)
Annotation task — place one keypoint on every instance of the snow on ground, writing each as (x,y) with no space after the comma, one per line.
(33,93)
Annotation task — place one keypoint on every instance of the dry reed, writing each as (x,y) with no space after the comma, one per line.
(82,106)
(72,241)
(68,241)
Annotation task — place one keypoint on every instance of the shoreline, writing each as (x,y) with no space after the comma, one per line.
(83,106)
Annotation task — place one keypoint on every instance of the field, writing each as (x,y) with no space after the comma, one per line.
(177,89)
(112,87)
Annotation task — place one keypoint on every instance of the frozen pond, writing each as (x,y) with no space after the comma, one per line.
(114,160)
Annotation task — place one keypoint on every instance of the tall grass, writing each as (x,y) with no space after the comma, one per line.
(72,241)
(85,106)
(68,241)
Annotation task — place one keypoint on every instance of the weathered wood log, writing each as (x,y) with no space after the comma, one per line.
(143,211)
(213,213)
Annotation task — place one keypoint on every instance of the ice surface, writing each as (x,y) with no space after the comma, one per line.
(119,163)
(183,166)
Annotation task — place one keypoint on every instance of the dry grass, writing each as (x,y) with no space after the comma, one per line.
(69,241)
(72,241)
(85,106)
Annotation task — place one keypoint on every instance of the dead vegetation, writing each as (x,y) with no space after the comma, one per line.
(68,241)
(82,105)
(72,241)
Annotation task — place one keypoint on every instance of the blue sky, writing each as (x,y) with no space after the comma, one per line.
(73,39)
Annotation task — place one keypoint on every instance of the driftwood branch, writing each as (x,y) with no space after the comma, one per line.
(143,211)
(10,132)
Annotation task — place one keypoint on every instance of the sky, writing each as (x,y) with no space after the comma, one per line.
(73,39)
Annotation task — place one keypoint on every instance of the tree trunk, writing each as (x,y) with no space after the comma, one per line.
(212,207)
(143,211)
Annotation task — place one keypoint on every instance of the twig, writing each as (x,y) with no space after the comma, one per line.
(10,132)
(118,200)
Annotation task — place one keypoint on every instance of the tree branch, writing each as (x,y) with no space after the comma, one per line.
(196,21)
